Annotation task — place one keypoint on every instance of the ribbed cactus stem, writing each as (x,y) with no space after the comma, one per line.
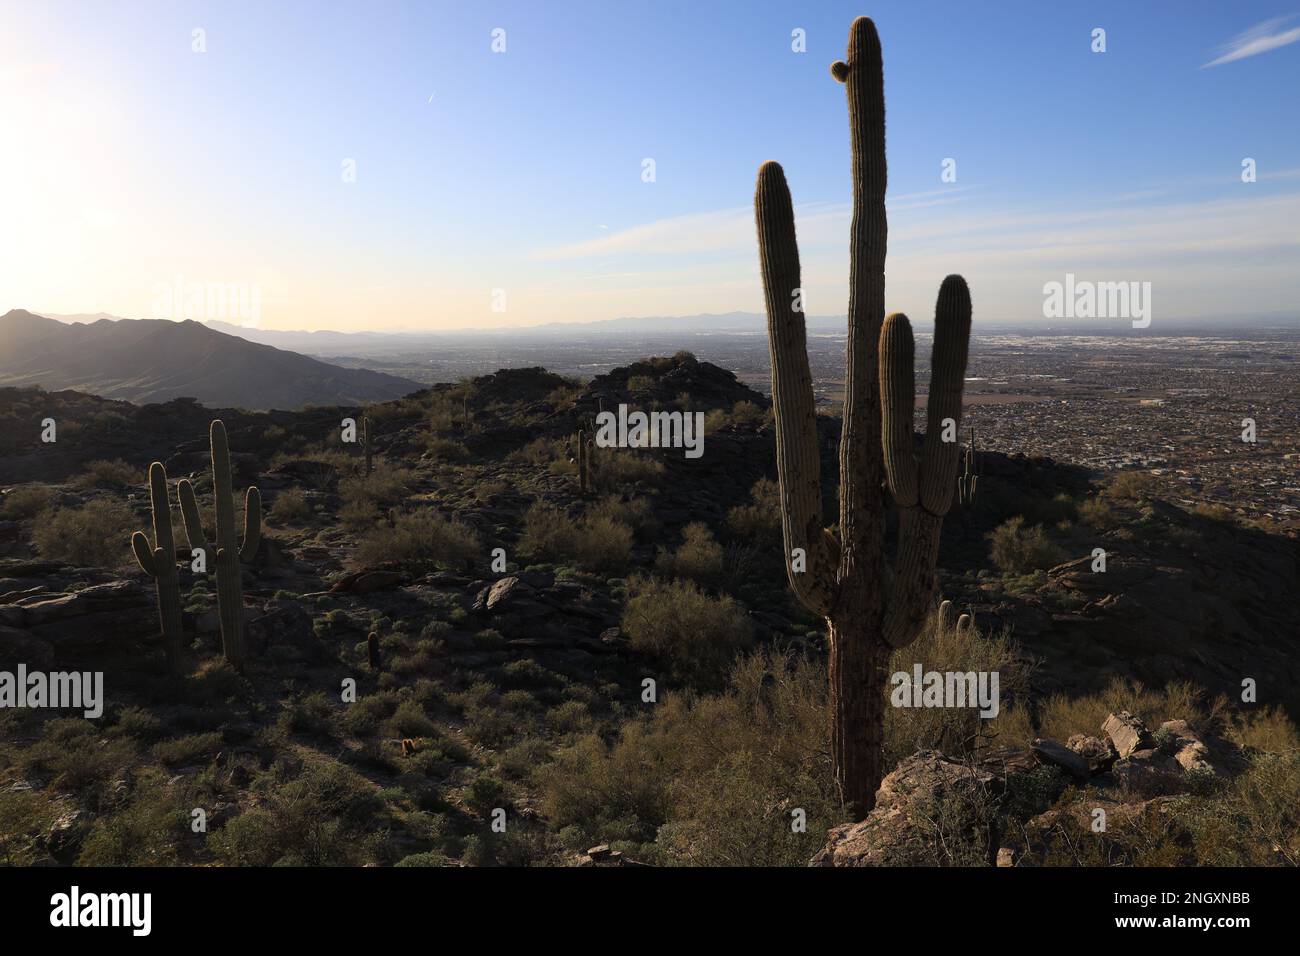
(228,552)
(945,614)
(159,562)
(844,577)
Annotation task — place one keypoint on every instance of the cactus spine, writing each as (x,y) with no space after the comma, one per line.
(230,592)
(843,577)
(159,562)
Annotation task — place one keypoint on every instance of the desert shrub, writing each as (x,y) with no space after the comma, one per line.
(1019,550)
(759,522)
(410,720)
(699,557)
(697,635)
(316,817)
(595,542)
(1131,486)
(603,544)
(109,474)
(291,507)
(187,750)
(707,780)
(640,383)
(636,513)
(74,757)
(148,831)
(444,449)
(421,538)
(98,534)
(26,501)
(1096,513)
(310,714)
(381,488)
(1214,512)
(957,731)
(619,467)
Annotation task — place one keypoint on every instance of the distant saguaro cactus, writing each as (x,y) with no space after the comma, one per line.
(365,443)
(843,578)
(968,480)
(584,461)
(159,562)
(230,591)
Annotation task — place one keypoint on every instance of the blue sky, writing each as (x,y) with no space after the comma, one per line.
(132,161)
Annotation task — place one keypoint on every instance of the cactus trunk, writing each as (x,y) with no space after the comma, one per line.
(841,578)
(228,554)
(159,562)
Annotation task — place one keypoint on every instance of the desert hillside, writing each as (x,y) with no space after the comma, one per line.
(521,686)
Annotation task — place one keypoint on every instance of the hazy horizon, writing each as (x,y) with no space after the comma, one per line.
(358,169)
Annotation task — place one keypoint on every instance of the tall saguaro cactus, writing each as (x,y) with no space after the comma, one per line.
(230,592)
(843,577)
(159,562)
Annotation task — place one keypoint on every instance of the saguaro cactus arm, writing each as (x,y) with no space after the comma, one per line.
(897,399)
(143,553)
(952,319)
(190,514)
(252,524)
(798,457)
(159,562)
(922,517)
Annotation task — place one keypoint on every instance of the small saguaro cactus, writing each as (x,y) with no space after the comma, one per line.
(230,591)
(968,480)
(842,576)
(365,443)
(159,562)
(372,650)
(584,461)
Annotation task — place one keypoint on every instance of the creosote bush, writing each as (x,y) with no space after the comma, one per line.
(699,557)
(598,541)
(1019,550)
(94,535)
(421,538)
(698,636)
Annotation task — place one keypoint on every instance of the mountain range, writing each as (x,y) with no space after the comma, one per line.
(153,360)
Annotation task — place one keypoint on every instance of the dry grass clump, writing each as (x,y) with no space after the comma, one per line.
(422,538)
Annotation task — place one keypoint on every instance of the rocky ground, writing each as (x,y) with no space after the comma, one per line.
(500,687)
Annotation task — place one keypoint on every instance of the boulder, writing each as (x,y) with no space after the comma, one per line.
(1058,755)
(1194,751)
(1126,732)
(1098,754)
(894,833)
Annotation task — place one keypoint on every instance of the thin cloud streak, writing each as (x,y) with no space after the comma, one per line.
(1260,38)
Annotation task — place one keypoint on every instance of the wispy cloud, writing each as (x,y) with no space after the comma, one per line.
(1260,38)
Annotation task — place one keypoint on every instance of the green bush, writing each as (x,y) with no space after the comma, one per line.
(1016,549)
(421,538)
(697,635)
(95,535)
